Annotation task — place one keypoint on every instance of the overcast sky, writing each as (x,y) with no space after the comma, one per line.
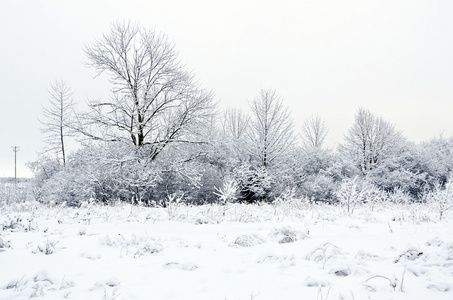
(394,58)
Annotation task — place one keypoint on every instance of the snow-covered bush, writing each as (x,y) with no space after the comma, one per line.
(111,172)
(254,183)
(372,195)
(69,187)
(4,243)
(135,246)
(350,194)
(286,196)
(54,184)
(14,223)
(44,169)
(441,199)
(433,164)
(396,173)
(318,175)
(319,188)
(172,203)
(248,240)
(47,247)
(288,201)
(399,196)
(228,192)
(287,234)
(324,253)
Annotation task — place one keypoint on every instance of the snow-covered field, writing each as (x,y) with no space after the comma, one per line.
(284,251)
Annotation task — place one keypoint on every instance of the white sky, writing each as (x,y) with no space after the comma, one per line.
(324,57)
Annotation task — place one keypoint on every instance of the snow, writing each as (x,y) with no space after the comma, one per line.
(282,251)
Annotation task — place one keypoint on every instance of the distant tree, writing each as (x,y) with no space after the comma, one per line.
(318,172)
(314,132)
(434,160)
(396,171)
(155,100)
(58,117)
(236,125)
(271,128)
(370,141)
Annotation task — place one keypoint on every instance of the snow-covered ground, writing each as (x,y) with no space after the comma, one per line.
(284,251)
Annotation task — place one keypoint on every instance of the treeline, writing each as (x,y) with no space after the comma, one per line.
(159,137)
(12,180)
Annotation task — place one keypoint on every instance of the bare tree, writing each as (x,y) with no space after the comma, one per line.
(155,100)
(271,130)
(235,124)
(314,132)
(57,119)
(370,140)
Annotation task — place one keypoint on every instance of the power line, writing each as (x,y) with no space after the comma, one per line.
(15,149)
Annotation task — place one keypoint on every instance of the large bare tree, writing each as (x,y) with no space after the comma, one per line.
(154,99)
(271,128)
(57,119)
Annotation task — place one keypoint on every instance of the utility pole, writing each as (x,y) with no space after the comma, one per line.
(15,149)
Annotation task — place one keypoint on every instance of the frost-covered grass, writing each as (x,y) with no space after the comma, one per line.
(286,251)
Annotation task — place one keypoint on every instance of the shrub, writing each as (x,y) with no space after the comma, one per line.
(254,183)
(441,198)
(350,194)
